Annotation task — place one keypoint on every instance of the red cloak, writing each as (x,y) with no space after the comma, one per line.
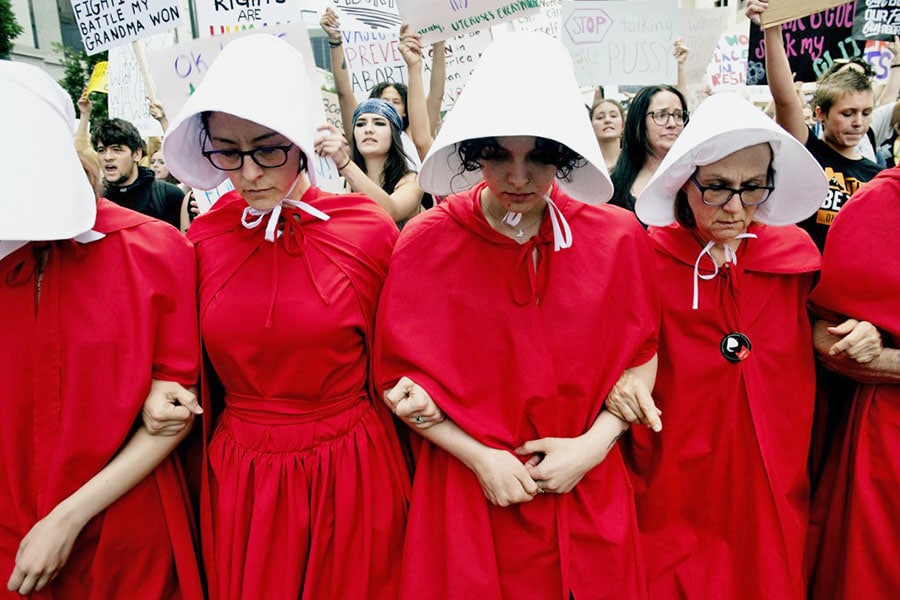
(722,491)
(77,366)
(306,488)
(856,508)
(514,353)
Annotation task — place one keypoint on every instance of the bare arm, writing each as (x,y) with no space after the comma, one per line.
(891,88)
(436,85)
(347,101)
(46,547)
(851,349)
(680,51)
(630,398)
(788,108)
(82,135)
(416,105)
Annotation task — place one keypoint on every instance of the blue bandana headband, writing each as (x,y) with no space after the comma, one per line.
(381,107)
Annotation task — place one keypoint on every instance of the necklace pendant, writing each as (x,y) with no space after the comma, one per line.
(520,234)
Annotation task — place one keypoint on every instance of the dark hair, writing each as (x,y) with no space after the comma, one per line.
(204,138)
(117,131)
(547,152)
(401,89)
(396,164)
(834,87)
(636,144)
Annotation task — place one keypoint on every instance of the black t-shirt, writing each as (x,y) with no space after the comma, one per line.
(845,176)
(149,196)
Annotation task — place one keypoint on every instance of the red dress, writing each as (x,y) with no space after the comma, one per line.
(77,365)
(513,353)
(722,491)
(856,507)
(307,490)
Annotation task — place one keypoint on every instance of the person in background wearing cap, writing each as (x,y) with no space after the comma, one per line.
(722,490)
(520,492)
(306,488)
(99,316)
(375,164)
(854,555)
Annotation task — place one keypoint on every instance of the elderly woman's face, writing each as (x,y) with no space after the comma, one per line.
(746,167)
(261,187)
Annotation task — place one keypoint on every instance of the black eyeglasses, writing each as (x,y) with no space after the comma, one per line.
(661,117)
(267,157)
(719,195)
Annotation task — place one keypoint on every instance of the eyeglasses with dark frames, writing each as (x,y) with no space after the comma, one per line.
(720,195)
(267,157)
(661,117)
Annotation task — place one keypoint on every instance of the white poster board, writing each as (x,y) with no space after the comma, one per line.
(700,30)
(126,87)
(364,15)
(728,67)
(462,54)
(221,17)
(546,21)
(438,20)
(373,57)
(105,25)
(621,42)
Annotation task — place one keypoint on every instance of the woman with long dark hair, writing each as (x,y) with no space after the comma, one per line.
(656,117)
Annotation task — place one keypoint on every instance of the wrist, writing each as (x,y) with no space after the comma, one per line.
(345,165)
(335,43)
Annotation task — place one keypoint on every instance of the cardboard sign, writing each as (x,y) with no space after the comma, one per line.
(128,91)
(812,43)
(99,82)
(438,20)
(621,42)
(105,25)
(221,17)
(728,67)
(364,15)
(462,54)
(876,19)
(700,29)
(782,11)
(546,21)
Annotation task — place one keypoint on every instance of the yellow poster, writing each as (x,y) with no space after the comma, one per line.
(99,82)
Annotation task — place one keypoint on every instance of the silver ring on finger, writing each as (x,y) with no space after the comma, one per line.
(419,419)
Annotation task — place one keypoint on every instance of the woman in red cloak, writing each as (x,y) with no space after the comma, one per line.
(520,492)
(99,314)
(305,488)
(857,532)
(722,490)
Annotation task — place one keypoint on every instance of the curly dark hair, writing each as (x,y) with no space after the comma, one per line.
(546,152)
(204,139)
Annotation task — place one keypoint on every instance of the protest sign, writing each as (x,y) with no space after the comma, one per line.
(128,89)
(876,19)
(621,42)
(332,109)
(104,24)
(438,20)
(178,71)
(880,57)
(373,57)
(728,67)
(363,15)
(812,43)
(206,198)
(462,54)
(700,29)
(99,81)
(221,17)
(546,21)
(782,11)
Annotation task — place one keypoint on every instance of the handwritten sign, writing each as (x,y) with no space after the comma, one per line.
(700,29)
(546,21)
(128,92)
(879,57)
(363,15)
(462,54)
(107,24)
(621,42)
(438,20)
(728,67)
(221,17)
(876,19)
(812,43)
(782,11)
(206,198)
(373,57)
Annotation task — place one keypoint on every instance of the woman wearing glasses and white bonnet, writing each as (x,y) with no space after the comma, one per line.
(305,487)
(722,490)
(521,491)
